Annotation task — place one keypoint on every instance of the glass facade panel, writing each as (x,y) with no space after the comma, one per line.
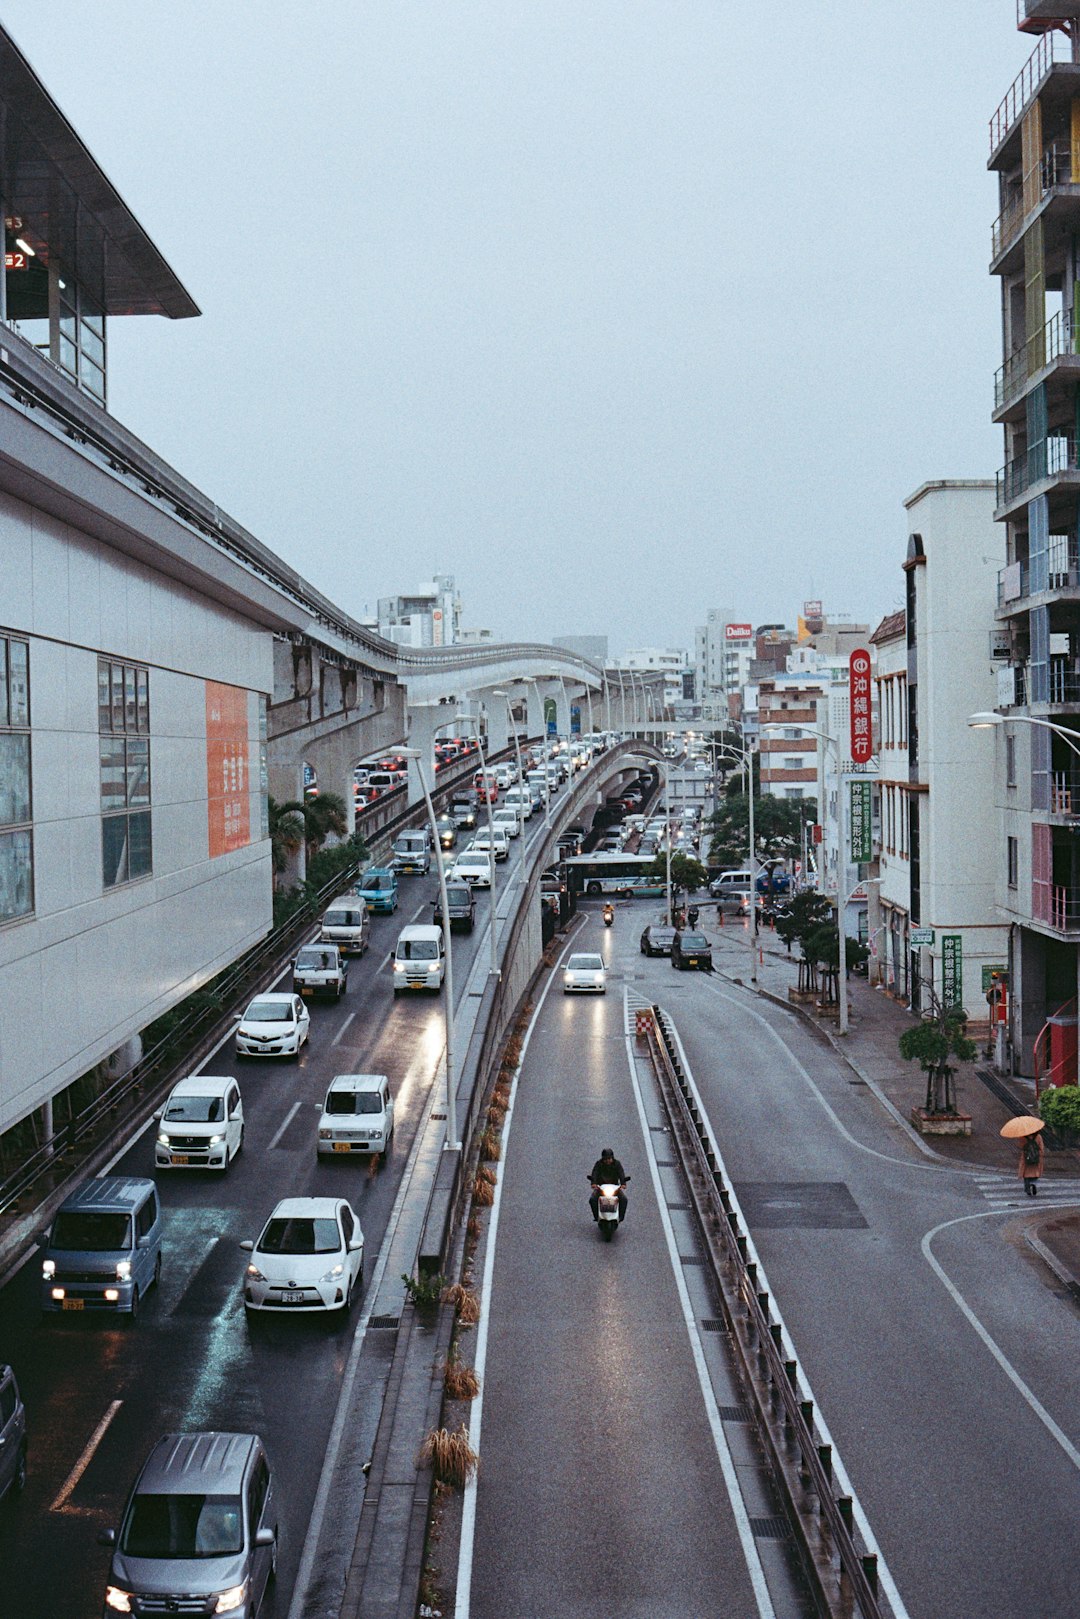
(14,778)
(16,875)
(68,355)
(117,724)
(142,690)
(4,720)
(18,654)
(92,346)
(113,775)
(140,852)
(129,699)
(138,771)
(114,850)
(104,700)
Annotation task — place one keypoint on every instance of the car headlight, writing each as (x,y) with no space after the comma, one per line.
(123,1270)
(333,1273)
(215,1141)
(375,1135)
(119,1601)
(399,966)
(231,1599)
(326,1134)
(434,967)
(255,1273)
(48,1269)
(163,1140)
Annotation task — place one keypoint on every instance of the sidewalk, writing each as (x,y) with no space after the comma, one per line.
(870,1047)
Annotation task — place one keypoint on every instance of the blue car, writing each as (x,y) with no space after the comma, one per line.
(378,889)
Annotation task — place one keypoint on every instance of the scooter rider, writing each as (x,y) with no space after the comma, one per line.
(609,914)
(607,1171)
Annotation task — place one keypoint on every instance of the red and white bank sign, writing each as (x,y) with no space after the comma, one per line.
(862,740)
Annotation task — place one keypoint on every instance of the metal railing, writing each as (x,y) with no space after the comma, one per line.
(1051,457)
(1065,792)
(1064,909)
(1055,170)
(1064,684)
(1048,344)
(1023,87)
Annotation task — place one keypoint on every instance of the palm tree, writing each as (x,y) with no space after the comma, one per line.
(286,825)
(322,816)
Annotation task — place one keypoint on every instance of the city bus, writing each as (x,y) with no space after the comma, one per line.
(623,874)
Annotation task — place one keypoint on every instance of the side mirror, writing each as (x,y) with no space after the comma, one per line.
(356,1245)
(264,1537)
(106,1537)
(247,1245)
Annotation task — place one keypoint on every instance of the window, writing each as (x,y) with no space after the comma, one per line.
(795,762)
(1012,854)
(124,727)
(144,1220)
(1010,761)
(7,1404)
(793,792)
(16,833)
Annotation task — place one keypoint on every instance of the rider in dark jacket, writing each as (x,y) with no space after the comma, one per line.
(607,1171)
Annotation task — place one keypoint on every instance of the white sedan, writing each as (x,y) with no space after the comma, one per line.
(585,975)
(310,1257)
(472,867)
(273,1026)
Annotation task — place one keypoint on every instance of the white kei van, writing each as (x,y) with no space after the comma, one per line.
(419,959)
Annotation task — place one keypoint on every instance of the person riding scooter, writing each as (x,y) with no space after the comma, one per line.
(609,914)
(607,1171)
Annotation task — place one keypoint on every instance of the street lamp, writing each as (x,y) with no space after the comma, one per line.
(451,1142)
(474,719)
(498,692)
(546,794)
(979,721)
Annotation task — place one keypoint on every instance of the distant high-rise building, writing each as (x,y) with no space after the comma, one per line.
(723,649)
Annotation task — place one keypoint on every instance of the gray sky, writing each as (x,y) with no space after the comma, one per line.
(616,310)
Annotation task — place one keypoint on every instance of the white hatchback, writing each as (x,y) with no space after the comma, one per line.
(585,974)
(310,1257)
(201,1125)
(357,1115)
(496,838)
(273,1026)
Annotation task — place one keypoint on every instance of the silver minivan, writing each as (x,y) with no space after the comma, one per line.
(104,1249)
(200,1530)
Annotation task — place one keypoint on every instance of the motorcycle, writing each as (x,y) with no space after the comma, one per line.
(607,1206)
(609,915)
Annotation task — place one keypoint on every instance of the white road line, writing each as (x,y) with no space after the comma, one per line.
(86,1458)
(285,1123)
(739,1513)
(341,1032)
(1006,1365)
(468,1506)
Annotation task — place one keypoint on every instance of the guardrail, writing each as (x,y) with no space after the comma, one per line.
(842,1571)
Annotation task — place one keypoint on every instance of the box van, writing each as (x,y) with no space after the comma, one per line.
(538,781)
(384,781)
(201,1125)
(357,1115)
(104,1249)
(200,1527)
(419,960)
(412,852)
(731,882)
(345,923)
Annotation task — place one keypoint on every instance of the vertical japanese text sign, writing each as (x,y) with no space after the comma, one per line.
(860,823)
(227,766)
(862,740)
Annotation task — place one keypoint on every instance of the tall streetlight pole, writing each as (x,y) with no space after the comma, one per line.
(535,684)
(746,756)
(474,719)
(450,1142)
(521,775)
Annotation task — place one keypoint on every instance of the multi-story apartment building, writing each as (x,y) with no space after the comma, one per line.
(723,651)
(431,616)
(889,642)
(1035,151)
(671,662)
(789,708)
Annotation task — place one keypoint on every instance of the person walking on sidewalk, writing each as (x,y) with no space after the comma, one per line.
(1031,1162)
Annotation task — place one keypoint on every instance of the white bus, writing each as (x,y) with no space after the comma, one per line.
(626,875)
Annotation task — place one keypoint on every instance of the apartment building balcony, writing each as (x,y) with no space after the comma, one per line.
(1050,467)
(1065,793)
(1051,355)
(1049,73)
(1057,203)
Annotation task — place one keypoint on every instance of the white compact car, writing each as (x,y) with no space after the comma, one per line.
(201,1125)
(273,1026)
(495,838)
(357,1115)
(473,868)
(508,821)
(585,974)
(310,1257)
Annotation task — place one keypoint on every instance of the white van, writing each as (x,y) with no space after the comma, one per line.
(419,959)
(345,923)
(412,852)
(518,798)
(357,1115)
(201,1126)
(731,882)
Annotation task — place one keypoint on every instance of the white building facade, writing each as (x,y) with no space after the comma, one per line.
(723,652)
(892,947)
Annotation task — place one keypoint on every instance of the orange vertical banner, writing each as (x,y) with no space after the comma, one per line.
(227,768)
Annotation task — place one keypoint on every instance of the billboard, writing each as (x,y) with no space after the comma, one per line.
(228,768)
(862,738)
(738,632)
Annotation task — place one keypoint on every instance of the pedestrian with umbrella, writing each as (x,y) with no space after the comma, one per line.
(1026,1131)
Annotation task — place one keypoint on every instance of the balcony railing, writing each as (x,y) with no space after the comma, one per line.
(1047,459)
(1055,170)
(1054,339)
(1064,683)
(1064,909)
(1065,792)
(1051,48)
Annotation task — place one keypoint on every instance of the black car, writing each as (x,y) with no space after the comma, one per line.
(657,940)
(464,807)
(691,950)
(461,904)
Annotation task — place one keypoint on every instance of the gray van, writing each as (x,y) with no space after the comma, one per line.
(104,1249)
(12,1434)
(199,1533)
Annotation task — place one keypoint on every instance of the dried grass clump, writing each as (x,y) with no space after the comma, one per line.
(452,1458)
(465,1302)
(460,1382)
(473,1226)
(488,1175)
(483,1191)
(512,1051)
(490,1147)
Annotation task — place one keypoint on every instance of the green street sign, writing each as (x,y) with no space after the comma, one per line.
(920,936)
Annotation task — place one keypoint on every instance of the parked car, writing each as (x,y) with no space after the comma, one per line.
(461,904)
(691,950)
(201,1126)
(346,924)
(584,973)
(310,1256)
(357,1115)
(657,940)
(104,1249)
(320,969)
(200,1529)
(12,1434)
(274,1025)
(378,888)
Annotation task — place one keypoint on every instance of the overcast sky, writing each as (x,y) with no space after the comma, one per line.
(615,310)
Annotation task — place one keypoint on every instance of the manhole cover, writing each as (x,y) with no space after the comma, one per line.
(807,1205)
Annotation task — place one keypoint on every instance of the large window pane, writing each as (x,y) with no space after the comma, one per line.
(16,875)
(14,779)
(140,853)
(114,850)
(4,720)
(113,774)
(104,698)
(130,712)
(142,686)
(19,682)
(138,771)
(117,670)
(92,346)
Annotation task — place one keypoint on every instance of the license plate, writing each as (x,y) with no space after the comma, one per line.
(71,1304)
(179,1158)
(307,990)
(292,1298)
(691,961)
(342,1146)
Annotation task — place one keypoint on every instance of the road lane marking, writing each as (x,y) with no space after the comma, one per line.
(468,1506)
(289,1117)
(739,1513)
(86,1458)
(341,1032)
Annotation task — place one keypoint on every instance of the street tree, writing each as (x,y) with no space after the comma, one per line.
(823,947)
(941,1034)
(799,921)
(778,824)
(286,827)
(324,816)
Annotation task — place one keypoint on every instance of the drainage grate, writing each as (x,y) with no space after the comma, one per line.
(443,1115)
(385,1321)
(769,1528)
(736,1413)
(661,1163)
(712,1323)
(691,1259)
(683,1208)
